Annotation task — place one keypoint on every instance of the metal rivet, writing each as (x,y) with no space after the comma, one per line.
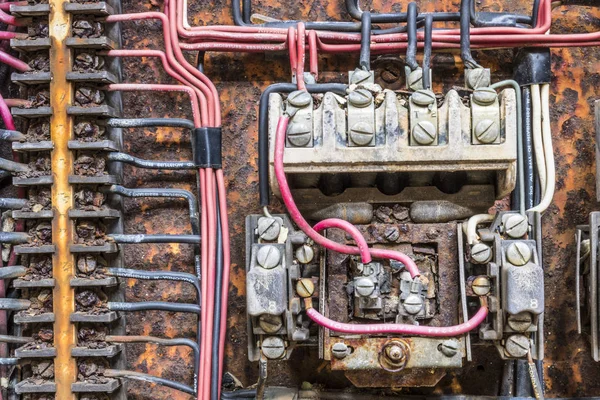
(518,253)
(361,134)
(516,226)
(481,253)
(486,131)
(424,133)
(268,228)
(268,257)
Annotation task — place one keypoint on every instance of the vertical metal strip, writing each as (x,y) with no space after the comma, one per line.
(61,129)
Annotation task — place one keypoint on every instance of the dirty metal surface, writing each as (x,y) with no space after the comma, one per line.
(569,370)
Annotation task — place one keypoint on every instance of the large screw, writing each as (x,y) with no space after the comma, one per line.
(449,347)
(520,322)
(484,96)
(273,347)
(305,287)
(481,285)
(516,226)
(423,97)
(299,134)
(413,304)
(299,98)
(268,228)
(481,253)
(415,79)
(359,76)
(424,133)
(270,323)
(360,98)
(390,74)
(517,346)
(477,78)
(268,257)
(305,254)
(361,134)
(486,131)
(339,350)
(364,287)
(391,234)
(518,253)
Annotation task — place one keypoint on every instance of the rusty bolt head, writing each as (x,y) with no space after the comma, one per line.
(361,134)
(517,346)
(394,356)
(305,254)
(364,287)
(415,79)
(268,257)
(270,323)
(413,304)
(518,253)
(390,74)
(520,322)
(340,350)
(299,98)
(268,228)
(86,264)
(359,76)
(394,353)
(424,133)
(360,98)
(478,78)
(481,285)
(481,253)
(484,96)
(423,97)
(516,226)
(273,347)
(486,131)
(391,234)
(449,347)
(299,134)
(305,287)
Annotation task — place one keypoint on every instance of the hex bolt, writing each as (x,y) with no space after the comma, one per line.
(364,287)
(413,304)
(481,253)
(361,134)
(305,287)
(415,79)
(394,353)
(268,257)
(449,347)
(478,78)
(268,228)
(481,285)
(517,346)
(484,96)
(516,226)
(518,253)
(360,98)
(520,322)
(299,98)
(359,76)
(423,97)
(305,254)
(299,134)
(391,234)
(270,323)
(339,350)
(424,133)
(273,347)
(486,132)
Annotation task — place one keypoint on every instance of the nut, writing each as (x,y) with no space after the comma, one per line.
(270,323)
(364,287)
(413,304)
(305,254)
(518,253)
(340,350)
(268,228)
(520,322)
(486,131)
(449,347)
(299,134)
(481,285)
(268,257)
(361,134)
(484,96)
(516,226)
(424,133)
(360,98)
(299,98)
(423,97)
(481,253)
(305,287)
(273,347)
(517,346)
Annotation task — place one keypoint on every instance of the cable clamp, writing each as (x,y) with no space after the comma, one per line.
(207,147)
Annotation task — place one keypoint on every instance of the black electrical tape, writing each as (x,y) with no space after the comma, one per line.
(532,66)
(207,148)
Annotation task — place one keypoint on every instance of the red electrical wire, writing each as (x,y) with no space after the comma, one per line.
(300,45)
(14,62)
(314,58)
(292,50)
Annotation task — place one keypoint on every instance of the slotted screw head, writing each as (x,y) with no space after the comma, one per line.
(305,254)
(518,253)
(520,322)
(486,131)
(413,304)
(391,234)
(364,287)
(361,134)
(481,285)
(299,98)
(481,253)
(299,134)
(270,323)
(423,97)
(360,98)
(339,350)
(484,96)
(424,133)
(477,78)
(415,79)
(268,228)
(305,287)
(517,346)
(516,226)
(273,347)
(359,76)
(268,257)
(449,348)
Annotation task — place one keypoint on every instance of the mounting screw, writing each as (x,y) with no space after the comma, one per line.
(481,253)
(518,253)
(424,133)
(268,257)
(390,74)
(299,98)
(415,79)
(299,134)
(270,323)
(360,98)
(361,134)
(486,131)
(516,226)
(305,254)
(391,234)
(413,304)
(423,97)
(520,322)
(364,287)
(478,78)
(481,285)
(484,96)
(268,228)
(449,347)
(517,346)
(305,287)
(273,347)
(359,76)
(340,350)
(394,353)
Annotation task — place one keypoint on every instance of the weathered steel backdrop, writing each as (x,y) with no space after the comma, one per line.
(240,79)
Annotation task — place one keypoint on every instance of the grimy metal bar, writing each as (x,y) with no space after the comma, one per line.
(61,131)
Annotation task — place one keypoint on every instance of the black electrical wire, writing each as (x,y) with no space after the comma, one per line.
(154,305)
(427,52)
(12,166)
(365,42)
(149,164)
(239,394)
(494,19)
(9,361)
(247,11)
(263,128)
(139,238)
(138,376)
(14,237)
(14,304)
(411,49)
(15,339)
(218,315)
(154,276)
(200,61)
(465,35)
(528,162)
(11,136)
(12,203)
(12,271)
(150,123)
